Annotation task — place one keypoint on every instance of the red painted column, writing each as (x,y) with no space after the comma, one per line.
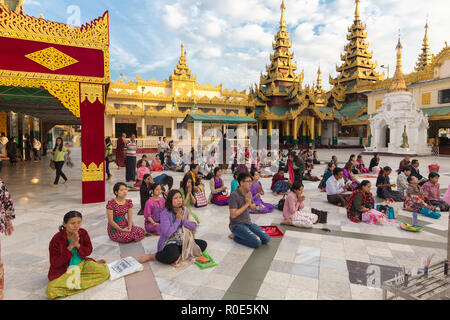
(92,111)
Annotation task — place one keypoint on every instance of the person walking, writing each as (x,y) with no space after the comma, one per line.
(130,160)
(108,156)
(36,149)
(2,154)
(12,149)
(28,147)
(120,156)
(59,151)
(6,225)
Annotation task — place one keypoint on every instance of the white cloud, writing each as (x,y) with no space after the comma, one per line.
(248,35)
(32,3)
(121,59)
(210,52)
(174,16)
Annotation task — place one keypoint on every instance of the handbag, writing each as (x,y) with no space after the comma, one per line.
(280,204)
(387,210)
(221,197)
(200,199)
(52,165)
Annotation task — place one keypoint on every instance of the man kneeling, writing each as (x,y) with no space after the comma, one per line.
(243,230)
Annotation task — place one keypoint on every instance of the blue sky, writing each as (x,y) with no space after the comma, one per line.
(229,41)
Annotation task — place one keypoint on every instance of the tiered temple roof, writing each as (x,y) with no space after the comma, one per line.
(182,71)
(425,57)
(357,67)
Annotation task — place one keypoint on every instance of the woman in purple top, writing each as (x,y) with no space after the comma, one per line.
(349,177)
(170,244)
(218,194)
(153,208)
(257,191)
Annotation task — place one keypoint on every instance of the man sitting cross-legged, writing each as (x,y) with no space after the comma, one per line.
(243,230)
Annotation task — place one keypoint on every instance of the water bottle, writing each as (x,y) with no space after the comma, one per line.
(414,218)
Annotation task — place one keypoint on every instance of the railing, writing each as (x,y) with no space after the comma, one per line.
(152,143)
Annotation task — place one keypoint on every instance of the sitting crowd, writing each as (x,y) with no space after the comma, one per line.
(168,212)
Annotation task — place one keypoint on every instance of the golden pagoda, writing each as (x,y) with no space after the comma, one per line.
(281,102)
(398,82)
(425,57)
(182,71)
(357,67)
(319,93)
(282,69)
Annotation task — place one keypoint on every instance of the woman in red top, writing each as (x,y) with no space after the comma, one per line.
(71,270)
(120,149)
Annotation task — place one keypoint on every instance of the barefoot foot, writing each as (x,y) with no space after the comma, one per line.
(177,262)
(147,257)
(231,236)
(101,261)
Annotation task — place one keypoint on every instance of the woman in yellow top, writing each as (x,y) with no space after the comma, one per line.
(58,157)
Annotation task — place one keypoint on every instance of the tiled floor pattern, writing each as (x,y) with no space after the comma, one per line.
(306,264)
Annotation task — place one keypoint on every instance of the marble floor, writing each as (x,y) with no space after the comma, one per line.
(304,264)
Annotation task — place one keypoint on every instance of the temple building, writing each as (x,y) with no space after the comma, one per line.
(309,114)
(430,88)
(153,109)
(281,100)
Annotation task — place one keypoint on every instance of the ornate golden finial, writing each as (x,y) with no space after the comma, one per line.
(121,76)
(398,82)
(319,79)
(425,56)
(357,10)
(41,16)
(283,18)
(182,48)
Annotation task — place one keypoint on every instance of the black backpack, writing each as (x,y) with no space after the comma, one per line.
(280,204)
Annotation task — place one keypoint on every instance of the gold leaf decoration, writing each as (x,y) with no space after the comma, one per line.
(51,58)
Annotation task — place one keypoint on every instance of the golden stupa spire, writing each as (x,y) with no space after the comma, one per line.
(182,71)
(283,18)
(398,82)
(357,10)
(319,79)
(425,56)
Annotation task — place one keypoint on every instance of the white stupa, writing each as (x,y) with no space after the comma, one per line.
(406,122)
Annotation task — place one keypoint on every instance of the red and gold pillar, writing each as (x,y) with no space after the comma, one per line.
(92,110)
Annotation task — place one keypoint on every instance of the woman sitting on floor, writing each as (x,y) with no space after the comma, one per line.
(71,270)
(144,192)
(218,194)
(153,209)
(280,184)
(326,176)
(186,190)
(415,200)
(354,169)
(176,243)
(360,201)
(360,165)
(384,187)
(120,228)
(257,191)
(315,158)
(141,172)
(293,206)
(374,164)
(234,183)
(156,165)
(347,171)
(402,180)
(308,175)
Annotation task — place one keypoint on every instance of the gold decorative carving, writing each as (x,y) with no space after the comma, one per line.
(94,35)
(92,92)
(378,104)
(92,173)
(426,98)
(51,58)
(68,93)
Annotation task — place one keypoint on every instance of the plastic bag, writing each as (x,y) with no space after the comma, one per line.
(374,217)
(124,267)
(304,219)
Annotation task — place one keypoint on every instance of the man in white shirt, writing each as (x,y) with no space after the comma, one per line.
(36,149)
(336,188)
(164,148)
